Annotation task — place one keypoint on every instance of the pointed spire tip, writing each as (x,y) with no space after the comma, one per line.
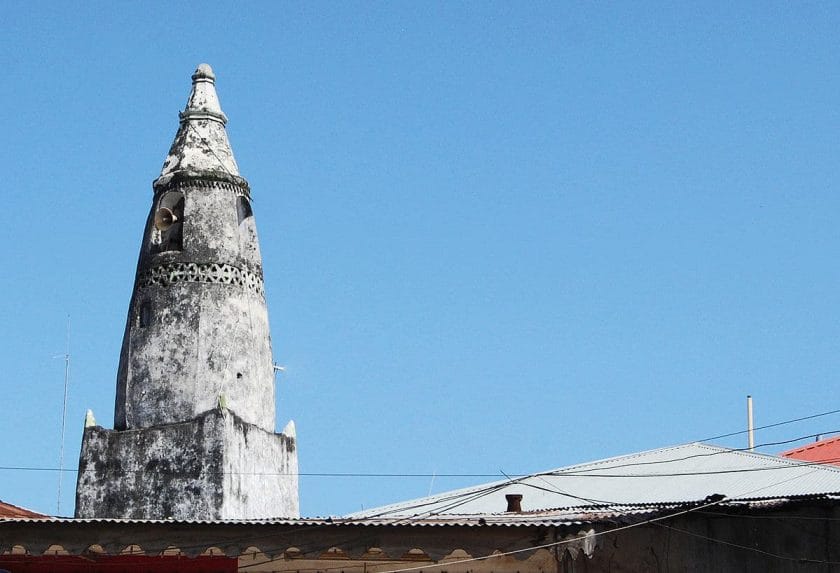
(201,144)
(203,102)
(204,72)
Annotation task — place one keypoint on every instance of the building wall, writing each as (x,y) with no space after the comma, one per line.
(806,539)
(803,537)
(216,466)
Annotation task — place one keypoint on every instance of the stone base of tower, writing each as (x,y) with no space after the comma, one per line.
(213,467)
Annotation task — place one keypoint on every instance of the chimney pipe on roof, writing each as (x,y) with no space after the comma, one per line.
(514,502)
(750,434)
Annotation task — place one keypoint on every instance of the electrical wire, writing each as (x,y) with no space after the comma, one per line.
(551,488)
(601,465)
(401,520)
(654,520)
(373,536)
(302,474)
(774,425)
(823,463)
(460,498)
(596,534)
(752,549)
(776,517)
(572,471)
(534,547)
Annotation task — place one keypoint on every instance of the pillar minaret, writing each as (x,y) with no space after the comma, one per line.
(194,419)
(197,329)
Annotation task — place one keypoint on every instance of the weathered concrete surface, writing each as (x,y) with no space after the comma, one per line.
(197,328)
(201,144)
(196,345)
(215,466)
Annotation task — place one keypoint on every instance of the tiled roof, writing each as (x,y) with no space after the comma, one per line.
(671,475)
(825,451)
(8,510)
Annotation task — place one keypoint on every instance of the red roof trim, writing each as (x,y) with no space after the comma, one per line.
(826,451)
(9,510)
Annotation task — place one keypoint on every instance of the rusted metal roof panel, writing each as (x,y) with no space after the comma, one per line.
(548,517)
(575,516)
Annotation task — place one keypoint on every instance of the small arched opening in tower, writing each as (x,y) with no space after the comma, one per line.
(144,314)
(167,233)
(243,209)
(247,229)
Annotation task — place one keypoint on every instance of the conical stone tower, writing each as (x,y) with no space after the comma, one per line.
(194,421)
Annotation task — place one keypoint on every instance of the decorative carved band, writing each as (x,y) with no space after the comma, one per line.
(180,181)
(221,273)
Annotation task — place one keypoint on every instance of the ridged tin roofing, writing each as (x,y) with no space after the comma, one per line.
(540,518)
(671,475)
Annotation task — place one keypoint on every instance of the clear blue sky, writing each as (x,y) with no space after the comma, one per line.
(496,236)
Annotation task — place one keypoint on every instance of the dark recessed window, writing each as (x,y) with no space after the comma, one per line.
(167,232)
(144,314)
(243,209)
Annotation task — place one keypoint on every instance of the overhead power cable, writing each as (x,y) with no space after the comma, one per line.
(608,466)
(529,548)
(778,517)
(572,471)
(802,560)
(567,541)
(396,521)
(774,425)
(654,520)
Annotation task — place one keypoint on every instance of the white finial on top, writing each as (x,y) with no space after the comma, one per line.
(204,73)
(201,144)
(203,102)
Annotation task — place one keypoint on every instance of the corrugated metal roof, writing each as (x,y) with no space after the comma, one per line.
(538,518)
(575,516)
(554,517)
(97,520)
(616,489)
(671,475)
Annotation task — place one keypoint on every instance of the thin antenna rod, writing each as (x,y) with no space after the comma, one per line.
(750,426)
(63,418)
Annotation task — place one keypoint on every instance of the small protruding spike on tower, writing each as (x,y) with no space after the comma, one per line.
(289,430)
